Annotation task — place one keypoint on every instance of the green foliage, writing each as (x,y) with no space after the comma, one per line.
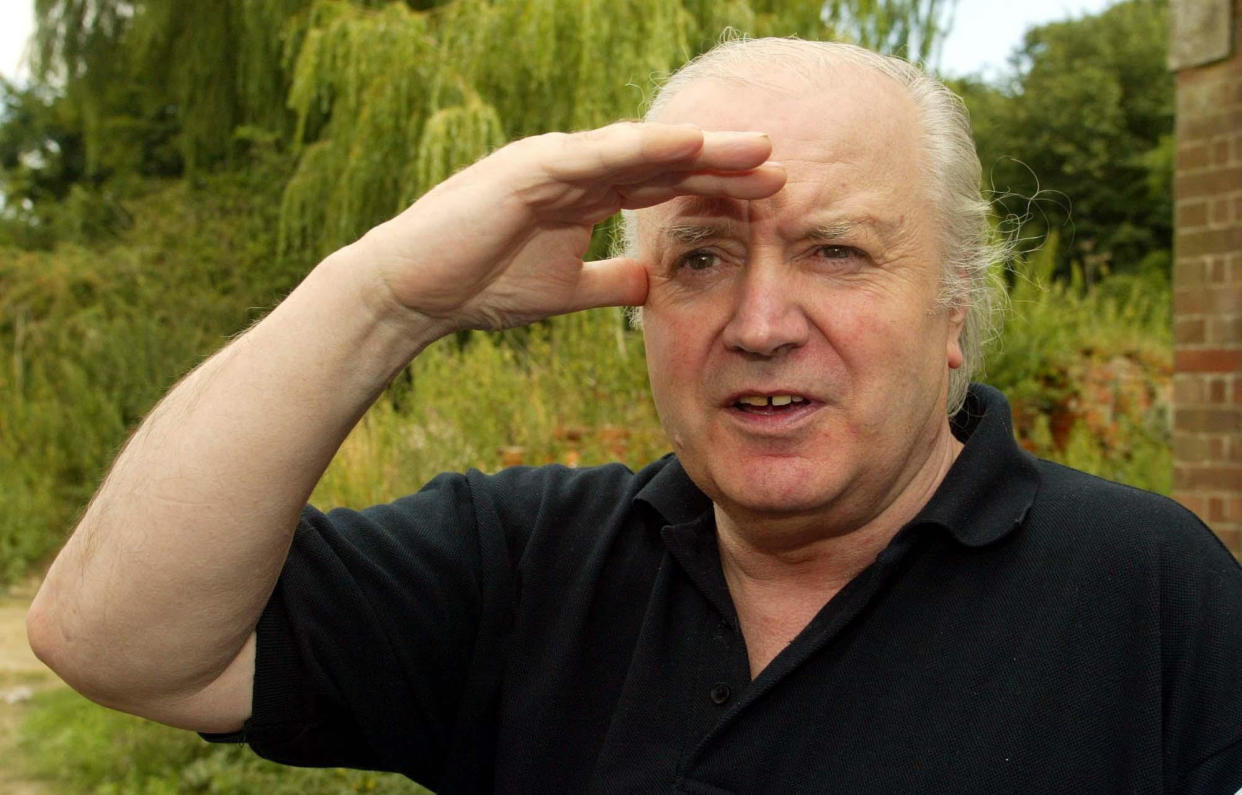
(1081,139)
(79,747)
(382,99)
(912,29)
(572,390)
(472,74)
(1088,371)
(185,74)
(458,82)
(93,336)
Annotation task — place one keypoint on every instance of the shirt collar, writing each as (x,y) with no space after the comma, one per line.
(992,484)
(673,494)
(985,495)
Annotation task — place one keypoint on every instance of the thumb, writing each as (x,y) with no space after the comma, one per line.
(619,281)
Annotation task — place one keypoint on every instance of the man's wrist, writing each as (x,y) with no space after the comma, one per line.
(349,271)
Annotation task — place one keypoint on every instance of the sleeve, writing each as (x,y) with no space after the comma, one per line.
(1201,651)
(380,647)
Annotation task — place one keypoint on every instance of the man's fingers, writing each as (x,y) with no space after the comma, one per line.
(630,153)
(757,183)
(619,281)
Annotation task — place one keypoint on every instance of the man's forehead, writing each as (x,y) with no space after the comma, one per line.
(706,207)
(701,218)
(778,94)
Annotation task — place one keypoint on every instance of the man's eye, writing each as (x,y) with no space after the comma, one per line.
(838,252)
(697,260)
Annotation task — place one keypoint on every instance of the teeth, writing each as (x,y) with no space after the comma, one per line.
(773,400)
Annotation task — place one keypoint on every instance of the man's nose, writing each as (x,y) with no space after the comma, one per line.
(768,317)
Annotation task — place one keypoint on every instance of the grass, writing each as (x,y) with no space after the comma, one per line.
(76,746)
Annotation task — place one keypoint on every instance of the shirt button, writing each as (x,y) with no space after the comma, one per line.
(720,693)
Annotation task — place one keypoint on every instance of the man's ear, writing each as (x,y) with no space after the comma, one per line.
(957,320)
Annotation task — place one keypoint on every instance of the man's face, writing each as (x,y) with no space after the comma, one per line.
(797,357)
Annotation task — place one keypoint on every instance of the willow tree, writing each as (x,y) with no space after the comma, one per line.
(391,100)
(912,29)
(381,100)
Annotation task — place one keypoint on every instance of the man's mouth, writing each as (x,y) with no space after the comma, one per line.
(768,404)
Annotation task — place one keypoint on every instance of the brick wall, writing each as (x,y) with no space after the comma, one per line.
(1207,282)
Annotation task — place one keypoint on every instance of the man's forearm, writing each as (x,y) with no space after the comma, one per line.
(164,578)
(152,604)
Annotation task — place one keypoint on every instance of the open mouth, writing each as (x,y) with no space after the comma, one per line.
(768,404)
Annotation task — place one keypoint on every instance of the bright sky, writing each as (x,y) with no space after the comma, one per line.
(984,32)
(16,24)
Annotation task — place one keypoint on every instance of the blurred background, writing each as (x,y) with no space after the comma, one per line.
(169,170)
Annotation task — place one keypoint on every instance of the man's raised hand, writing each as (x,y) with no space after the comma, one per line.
(501,243)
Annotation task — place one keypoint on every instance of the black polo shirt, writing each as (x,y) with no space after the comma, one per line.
(1033,629)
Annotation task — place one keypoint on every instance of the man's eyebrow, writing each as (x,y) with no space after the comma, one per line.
(690,234)
(835,230)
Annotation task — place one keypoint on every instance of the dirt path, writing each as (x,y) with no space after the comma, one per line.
(21,675)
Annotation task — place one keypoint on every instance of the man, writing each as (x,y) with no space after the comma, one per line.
(831,587)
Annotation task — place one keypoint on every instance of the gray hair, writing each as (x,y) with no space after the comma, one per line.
(967,243)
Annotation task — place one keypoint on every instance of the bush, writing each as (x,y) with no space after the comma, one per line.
(94,335)
(1088,371)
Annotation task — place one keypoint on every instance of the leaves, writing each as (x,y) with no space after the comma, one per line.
(1081,140)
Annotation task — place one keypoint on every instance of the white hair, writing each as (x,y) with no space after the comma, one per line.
(968,246)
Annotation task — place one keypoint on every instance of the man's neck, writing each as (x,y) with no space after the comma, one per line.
(781,572)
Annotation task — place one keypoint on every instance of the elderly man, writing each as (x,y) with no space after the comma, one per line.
(843,580)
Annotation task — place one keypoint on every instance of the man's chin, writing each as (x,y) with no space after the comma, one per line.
(774,497)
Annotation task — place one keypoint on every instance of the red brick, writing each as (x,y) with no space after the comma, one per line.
(1210,241)
(1195,503)
(1190,128)
(1216,509)
(1192,158)
(1216,477)
(1220,330)
(1218,420)
(1187,78)
(1190,448)
(1193,213)
(1201,300)
(1208,183)
(1237,202)
(1202,98)
(1220,152)
(1188,272)
(1216,273)
(1188,389)
(1233,509)
(1220,212)
(1216,390)
(1189,330)
(1226,300)
(1190,301)
(1214,360)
